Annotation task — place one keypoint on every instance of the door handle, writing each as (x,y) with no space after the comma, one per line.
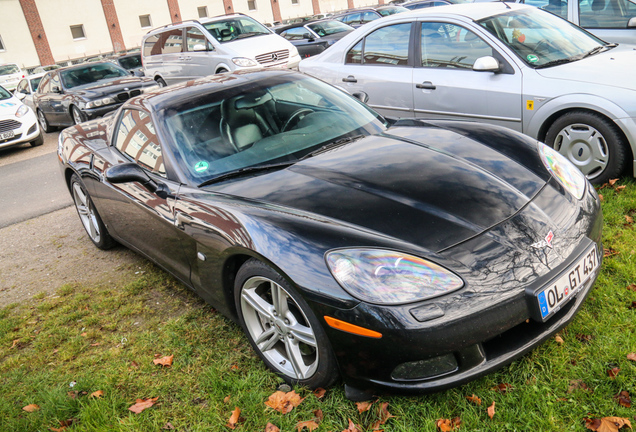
(426,85)
(350,79)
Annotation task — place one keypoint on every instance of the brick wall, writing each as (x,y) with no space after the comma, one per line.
(175,13)
(316,5)
(228,6)
(37,32)
(110,13)
(276,10)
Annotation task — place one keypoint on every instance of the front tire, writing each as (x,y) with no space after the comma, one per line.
(161,82)
(88,215)
(591,142)
(44,123)
(77,115)
(281,327)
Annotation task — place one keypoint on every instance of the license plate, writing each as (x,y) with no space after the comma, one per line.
(6,135)
(568,284)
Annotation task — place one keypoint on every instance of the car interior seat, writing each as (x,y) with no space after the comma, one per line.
(246,119)
(226,34)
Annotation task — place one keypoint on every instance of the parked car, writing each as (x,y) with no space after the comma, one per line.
(407,256)
(10,75)
(358,17)
(131,62)
(194,49)
(74,94)
(506,64)
(421,4)
(313,37)
(42,69)
(18,123)
(27,87)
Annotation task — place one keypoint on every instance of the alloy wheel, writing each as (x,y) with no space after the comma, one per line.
(86,212)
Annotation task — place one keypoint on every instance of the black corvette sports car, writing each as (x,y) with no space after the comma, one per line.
(401,255)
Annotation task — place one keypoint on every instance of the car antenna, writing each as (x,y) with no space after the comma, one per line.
(506,4)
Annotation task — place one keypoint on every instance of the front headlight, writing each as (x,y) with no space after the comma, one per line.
(244,62)
(100,102)
(563,170)
(388,277)
(22,111)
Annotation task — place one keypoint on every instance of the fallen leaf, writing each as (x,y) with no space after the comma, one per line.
(84,334)
(558,339)
(600,197)
(609,252)
(134,365)
(447,425)
(631,356)
(578,384)
(31,408)
(352,427)
(613,372)
(309,424)
(364,406)
(629,219)
(72,394)
(168,426)
(607,424)
(60,429)
(503,387)
(142,404)
(226,399)
(95,344)
(623,399)
(620,188)
(284,402)
(491,410)
(612,181)
(632,306)
(320,392)
(235,418)
(234,367)
(164,361)
(271,428)
(474,399)
(15,342)
(631,287)
(319,416)
(383,414)
(584,338)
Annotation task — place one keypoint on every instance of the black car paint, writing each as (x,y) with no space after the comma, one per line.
(361,195)
(314,44)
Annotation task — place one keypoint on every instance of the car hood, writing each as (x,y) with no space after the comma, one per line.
(105,88)
(252,46)
(434,187)
(611,68)
(8,107)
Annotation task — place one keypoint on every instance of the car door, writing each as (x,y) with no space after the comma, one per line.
(380,65)
(446,86)
(198,55)
(41,99)
(174,64)
(607,19)
(143,219)
(23,92)
(58,111)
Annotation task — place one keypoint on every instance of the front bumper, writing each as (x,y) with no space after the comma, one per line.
(25,129)
(93,113)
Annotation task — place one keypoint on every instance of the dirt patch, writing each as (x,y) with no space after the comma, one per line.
(44,253)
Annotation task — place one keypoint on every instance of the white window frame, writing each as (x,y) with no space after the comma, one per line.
(253,2)
(200,8)
(149,21)
(80,26)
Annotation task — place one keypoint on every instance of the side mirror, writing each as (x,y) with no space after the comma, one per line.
(308,37)
(199,47)
(361,96)
(631,23)
(486,64)
(131,172)
(56,89)
(19,95)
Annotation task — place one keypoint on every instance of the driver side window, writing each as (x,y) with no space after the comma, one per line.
(451,46)
(136,139)
(605,13)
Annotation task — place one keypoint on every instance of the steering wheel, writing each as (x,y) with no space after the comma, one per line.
(295,118)
(540,45)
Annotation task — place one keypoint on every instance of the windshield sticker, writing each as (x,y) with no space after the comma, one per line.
(201,166)
(7,104)
(532,58)
(516,34)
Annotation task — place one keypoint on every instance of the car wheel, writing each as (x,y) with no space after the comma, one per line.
(222,70)
(38,141)
(77,115)
(93,224)
(161,82)
(281,327)
(44,124)
(590,142)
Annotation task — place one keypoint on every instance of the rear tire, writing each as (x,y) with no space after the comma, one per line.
(591,142)
(88,215)
(161,82)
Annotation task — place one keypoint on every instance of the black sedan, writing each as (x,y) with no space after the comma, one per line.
(74,94)
(313,37)
(404,256)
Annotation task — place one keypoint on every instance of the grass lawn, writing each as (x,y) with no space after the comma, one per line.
(56,351)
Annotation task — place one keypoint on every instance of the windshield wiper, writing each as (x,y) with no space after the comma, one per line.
(591,52)
(241,171)
(558,62)
(332,145)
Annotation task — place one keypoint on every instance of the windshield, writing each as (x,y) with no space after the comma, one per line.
(326,28)
(9,69)
(90,74)
(35,82)
(540,38)
(4,94)
(131,62)
(391,10)
(274,120)
(235,28)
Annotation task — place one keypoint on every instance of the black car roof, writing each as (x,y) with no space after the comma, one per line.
(302,24)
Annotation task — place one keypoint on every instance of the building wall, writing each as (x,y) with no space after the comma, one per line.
(189,8)
(289,10)
(129,13)
(263,12)
(331,6)
(16,38)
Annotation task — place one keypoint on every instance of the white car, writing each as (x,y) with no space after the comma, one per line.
(10,75)
(18,123)
(511,65)
(27,87)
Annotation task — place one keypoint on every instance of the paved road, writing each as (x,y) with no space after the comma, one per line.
(30,182)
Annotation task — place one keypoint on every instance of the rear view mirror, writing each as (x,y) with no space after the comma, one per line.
(19,95)
(486,64)
(631,23)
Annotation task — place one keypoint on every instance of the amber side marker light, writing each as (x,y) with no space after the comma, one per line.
(350,328)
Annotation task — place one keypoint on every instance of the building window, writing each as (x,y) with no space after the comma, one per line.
(203,11)
(144,20)
(294,2)
(251,4)
(1,44)
(78,32)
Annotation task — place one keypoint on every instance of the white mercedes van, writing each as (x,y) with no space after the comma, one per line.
(194,49)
